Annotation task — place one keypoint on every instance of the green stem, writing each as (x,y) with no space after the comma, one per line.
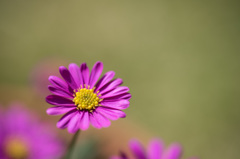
(71,145)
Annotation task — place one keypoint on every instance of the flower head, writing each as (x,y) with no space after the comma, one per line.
(23,136)
(85,99)
(155,150)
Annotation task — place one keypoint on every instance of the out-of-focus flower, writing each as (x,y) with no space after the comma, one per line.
(155,150)
(86,100)
(22,136)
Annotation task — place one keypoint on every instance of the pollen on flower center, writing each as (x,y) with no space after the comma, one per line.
(86,99)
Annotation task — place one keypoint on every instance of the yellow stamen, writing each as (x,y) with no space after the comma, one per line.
(86,99)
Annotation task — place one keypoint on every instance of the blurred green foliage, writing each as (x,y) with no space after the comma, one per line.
(179,58)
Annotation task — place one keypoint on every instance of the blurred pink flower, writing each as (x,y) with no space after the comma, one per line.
(22,136)
(155,151)
(85,98)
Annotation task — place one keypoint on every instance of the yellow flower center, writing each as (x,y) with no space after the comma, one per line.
(86,99)
(16,148)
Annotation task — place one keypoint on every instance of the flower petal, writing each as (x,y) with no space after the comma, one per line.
(59,110)
(155,149)
(58,82)
(95,73)
(117,91)
(75,72)
(102,120)
(67,77)
(84,72)
(59,101)
(84,122)
(116,104)
(63,122)
(173,152)
(112,114)
(94,122)
(126,96)
(104,80)
(137,149)
(59,92)
(111,85)
(73,124)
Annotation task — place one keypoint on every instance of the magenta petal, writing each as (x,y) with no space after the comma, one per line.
(110,86)
(155,149)
(60,92)
(105,79)
(95,73)
(94,122)
(173,152)
(63,122)
(102,120)
(112,114)
(117,91)
(117,104)
(75,72)
(58,82)
(59,101)
(84,71)
(137,149)
(73,125)
(59,110)
(84,122)
(67,77)
(126,96)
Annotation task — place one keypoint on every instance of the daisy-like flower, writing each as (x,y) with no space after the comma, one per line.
(85,98)
(155,150)
(23,136)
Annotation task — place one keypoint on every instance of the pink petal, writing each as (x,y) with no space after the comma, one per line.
(75,72)
(112,114)
(84,122)
(105,79)
(102,120)
(111,85)
(155,149)
(84,72)
(59,110)
(59,101)
(173,152)
(126,96)
(137,149)
(116,104)
(58,82)
(67,77)
(60,92)
(63,122)
(73,124)
(95,73)
(117,91)
(94,122)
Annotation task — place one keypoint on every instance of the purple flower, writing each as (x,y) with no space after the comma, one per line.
(155,151)
(23,136)
(85,99)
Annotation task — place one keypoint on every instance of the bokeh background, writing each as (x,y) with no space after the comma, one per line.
(180,60)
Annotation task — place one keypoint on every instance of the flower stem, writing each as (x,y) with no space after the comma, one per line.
(71,145)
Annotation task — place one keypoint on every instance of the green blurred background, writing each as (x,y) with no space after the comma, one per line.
(179,58)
